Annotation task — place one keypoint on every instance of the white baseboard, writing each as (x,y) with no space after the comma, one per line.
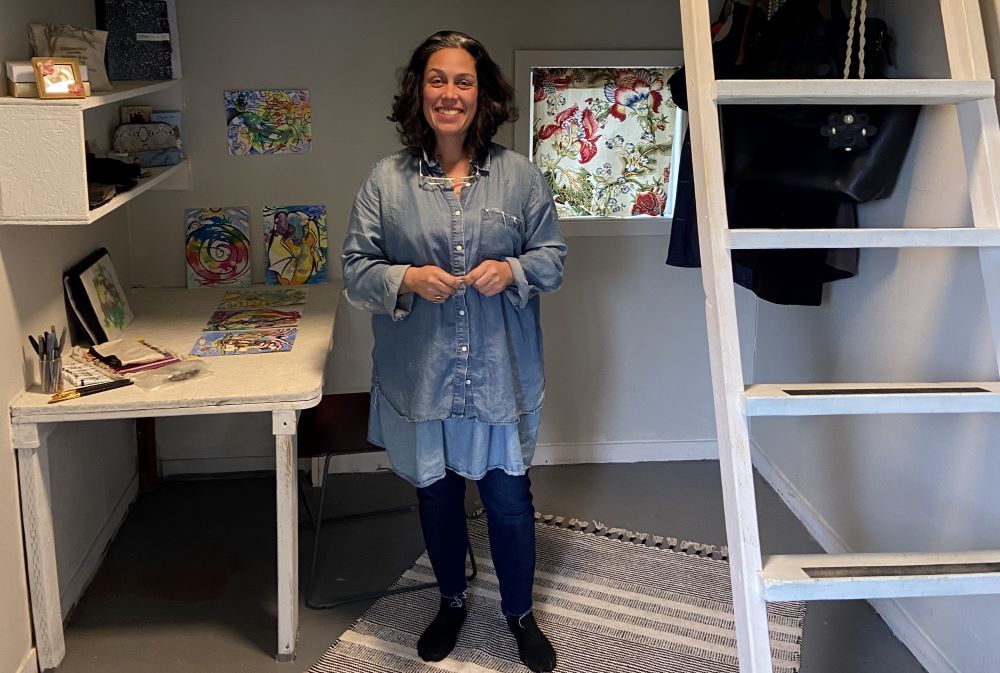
(626,452)
(545,454)
(30,662)
(95,554)
(900,621)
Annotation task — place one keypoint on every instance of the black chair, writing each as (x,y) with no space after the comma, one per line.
(338,426)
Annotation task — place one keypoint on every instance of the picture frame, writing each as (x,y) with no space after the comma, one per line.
(602,112)
(58,77)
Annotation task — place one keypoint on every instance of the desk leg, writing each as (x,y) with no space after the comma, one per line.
(286,455)
(39,543)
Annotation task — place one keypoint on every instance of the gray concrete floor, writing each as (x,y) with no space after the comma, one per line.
(188,584)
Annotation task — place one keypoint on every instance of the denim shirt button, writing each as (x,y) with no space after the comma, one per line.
(457,212)
(465,348)
(468,382)
(458,247)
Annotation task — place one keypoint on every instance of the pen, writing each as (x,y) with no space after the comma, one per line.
(34,344)
(89,390)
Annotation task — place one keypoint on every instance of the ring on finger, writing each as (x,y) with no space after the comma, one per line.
(438,299)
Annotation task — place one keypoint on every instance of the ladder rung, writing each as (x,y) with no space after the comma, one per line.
(852,91)
(898,237)
(829,399)
(854,576)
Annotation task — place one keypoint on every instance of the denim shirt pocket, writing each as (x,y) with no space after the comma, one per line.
(501,235)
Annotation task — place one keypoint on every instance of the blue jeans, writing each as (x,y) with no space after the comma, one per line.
(510,515)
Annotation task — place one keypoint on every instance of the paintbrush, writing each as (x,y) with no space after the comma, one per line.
(89,390)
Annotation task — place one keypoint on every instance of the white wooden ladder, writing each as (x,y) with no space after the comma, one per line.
(835,576)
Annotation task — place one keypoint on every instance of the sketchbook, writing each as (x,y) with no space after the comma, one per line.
(97,298)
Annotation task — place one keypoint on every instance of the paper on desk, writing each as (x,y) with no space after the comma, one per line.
(128,352)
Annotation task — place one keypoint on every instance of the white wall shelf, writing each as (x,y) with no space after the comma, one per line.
(43,172)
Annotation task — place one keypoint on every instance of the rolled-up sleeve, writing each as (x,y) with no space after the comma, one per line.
(371,281)
(539,267)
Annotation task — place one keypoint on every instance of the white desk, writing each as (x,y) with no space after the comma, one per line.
(280,383)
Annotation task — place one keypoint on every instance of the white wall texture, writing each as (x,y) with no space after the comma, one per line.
(623,325)
(899,483)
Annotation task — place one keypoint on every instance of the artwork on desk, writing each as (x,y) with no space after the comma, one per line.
(252,319)
(217,246)
(268,121)
(245,343)
(97,297)
(234,299)
(295,245)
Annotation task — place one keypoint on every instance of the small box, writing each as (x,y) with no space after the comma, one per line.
(154,158)
(22,72)
(30,89)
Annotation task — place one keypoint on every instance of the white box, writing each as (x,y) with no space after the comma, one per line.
(21,71)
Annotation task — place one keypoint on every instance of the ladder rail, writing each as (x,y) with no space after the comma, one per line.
(742,532)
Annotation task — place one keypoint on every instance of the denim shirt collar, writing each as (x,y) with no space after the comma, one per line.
(482,166)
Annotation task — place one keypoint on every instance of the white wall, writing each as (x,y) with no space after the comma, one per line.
(623,325)
(899,483)
(92,465)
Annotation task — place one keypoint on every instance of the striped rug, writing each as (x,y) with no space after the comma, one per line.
(609,599)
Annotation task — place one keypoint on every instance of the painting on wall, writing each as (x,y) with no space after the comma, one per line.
(217,246)
(604,138)
(268,121)
(245,343)
(295,245)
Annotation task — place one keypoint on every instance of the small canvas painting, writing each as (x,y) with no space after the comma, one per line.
(258,318)
(107,297)
(295,245)
(245,343)
(268,121)
(234,299)
(217,246)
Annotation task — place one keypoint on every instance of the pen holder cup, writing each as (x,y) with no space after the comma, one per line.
(50,373)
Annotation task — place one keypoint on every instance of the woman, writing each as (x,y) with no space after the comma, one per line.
(450,242)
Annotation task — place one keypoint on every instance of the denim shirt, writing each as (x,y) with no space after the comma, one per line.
(471,356)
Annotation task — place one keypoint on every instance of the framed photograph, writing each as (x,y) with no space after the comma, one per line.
(135,114)
(58,77)
(602,128)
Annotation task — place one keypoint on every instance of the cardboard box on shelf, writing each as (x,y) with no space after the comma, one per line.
(30,89)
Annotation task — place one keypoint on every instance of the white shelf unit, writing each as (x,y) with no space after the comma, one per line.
(43,173)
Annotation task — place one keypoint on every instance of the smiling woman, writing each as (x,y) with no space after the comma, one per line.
(449,245)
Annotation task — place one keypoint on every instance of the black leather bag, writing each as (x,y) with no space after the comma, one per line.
(844,153)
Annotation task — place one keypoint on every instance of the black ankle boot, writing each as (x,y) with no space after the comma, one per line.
(439,638)
(535,649)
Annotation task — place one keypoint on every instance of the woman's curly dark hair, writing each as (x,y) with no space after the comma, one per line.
(495,96)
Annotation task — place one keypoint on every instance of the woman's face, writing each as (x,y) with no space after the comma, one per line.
(450,92)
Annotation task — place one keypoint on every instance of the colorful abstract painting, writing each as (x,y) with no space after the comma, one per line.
(603,138)
(234,299)
(217,246)
(244,343)
(258,318)
(295,245)
(269,121)
(107,297)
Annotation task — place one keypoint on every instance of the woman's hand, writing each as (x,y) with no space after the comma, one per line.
(430,282)
(490,278)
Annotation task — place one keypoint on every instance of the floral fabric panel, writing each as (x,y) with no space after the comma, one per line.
(268,121)
(603,139)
